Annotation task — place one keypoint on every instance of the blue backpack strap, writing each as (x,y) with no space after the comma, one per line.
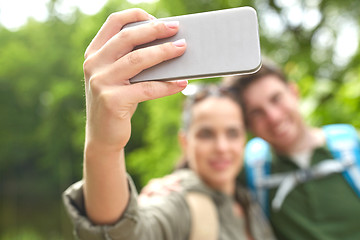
(343,142)
(257,168)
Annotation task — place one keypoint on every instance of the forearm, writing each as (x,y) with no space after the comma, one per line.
(105,185)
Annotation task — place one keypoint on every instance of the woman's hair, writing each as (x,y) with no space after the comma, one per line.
(201,92)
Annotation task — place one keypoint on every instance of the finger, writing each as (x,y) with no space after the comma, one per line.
(113,25)
(142,199)
(174,188)
(172,182)
(125,41)
(172,179)
(119,73)
(141,59)
(153,187)
(145,91)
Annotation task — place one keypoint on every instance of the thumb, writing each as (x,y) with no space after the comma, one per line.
(144,91)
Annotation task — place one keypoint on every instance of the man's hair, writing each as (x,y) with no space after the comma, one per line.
(237,84)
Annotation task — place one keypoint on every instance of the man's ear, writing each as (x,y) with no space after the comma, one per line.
(294,89)
(182,141)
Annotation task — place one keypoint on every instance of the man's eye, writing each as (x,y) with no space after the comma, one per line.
(255,113)
(276,98)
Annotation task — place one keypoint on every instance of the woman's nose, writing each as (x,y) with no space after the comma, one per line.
(222,143)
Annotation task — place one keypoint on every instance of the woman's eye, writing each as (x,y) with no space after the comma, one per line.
(233,133)
(203,134)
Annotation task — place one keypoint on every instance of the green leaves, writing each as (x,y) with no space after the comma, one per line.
(42,101)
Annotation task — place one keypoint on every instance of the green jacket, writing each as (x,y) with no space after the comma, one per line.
(322,209)
(165,217)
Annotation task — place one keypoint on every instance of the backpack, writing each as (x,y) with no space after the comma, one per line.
(342,141)
(204,217)
(205,220)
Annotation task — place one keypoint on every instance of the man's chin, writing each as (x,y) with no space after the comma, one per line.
(284,145)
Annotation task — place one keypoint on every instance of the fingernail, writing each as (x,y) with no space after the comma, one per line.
(172,24)
(151,17)
(182,83)
(179,43)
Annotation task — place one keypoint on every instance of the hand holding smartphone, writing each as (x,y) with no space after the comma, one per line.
(219,43)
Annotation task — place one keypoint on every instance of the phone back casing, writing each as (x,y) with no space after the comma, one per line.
(219,43)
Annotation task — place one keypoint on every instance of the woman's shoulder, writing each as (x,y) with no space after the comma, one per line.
(173,186)
(191,182)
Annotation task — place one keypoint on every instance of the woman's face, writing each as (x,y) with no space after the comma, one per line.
(214,142)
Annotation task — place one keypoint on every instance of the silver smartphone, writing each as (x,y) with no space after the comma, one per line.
(219,43)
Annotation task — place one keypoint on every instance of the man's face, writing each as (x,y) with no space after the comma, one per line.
(272,113)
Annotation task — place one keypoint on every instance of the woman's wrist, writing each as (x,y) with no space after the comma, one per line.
(96,150)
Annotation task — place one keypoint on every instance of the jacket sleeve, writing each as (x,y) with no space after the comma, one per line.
(165,217)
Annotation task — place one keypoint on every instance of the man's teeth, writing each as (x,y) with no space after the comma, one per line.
(281,128)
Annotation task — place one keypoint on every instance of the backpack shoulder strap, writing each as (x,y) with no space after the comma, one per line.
(257,168)
(343,142)
(204,217)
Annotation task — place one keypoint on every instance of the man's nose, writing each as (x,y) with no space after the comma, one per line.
(273,114)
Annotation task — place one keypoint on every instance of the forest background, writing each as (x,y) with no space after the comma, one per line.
(42,98)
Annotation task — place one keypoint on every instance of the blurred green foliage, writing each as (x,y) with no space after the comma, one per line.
(42,100)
